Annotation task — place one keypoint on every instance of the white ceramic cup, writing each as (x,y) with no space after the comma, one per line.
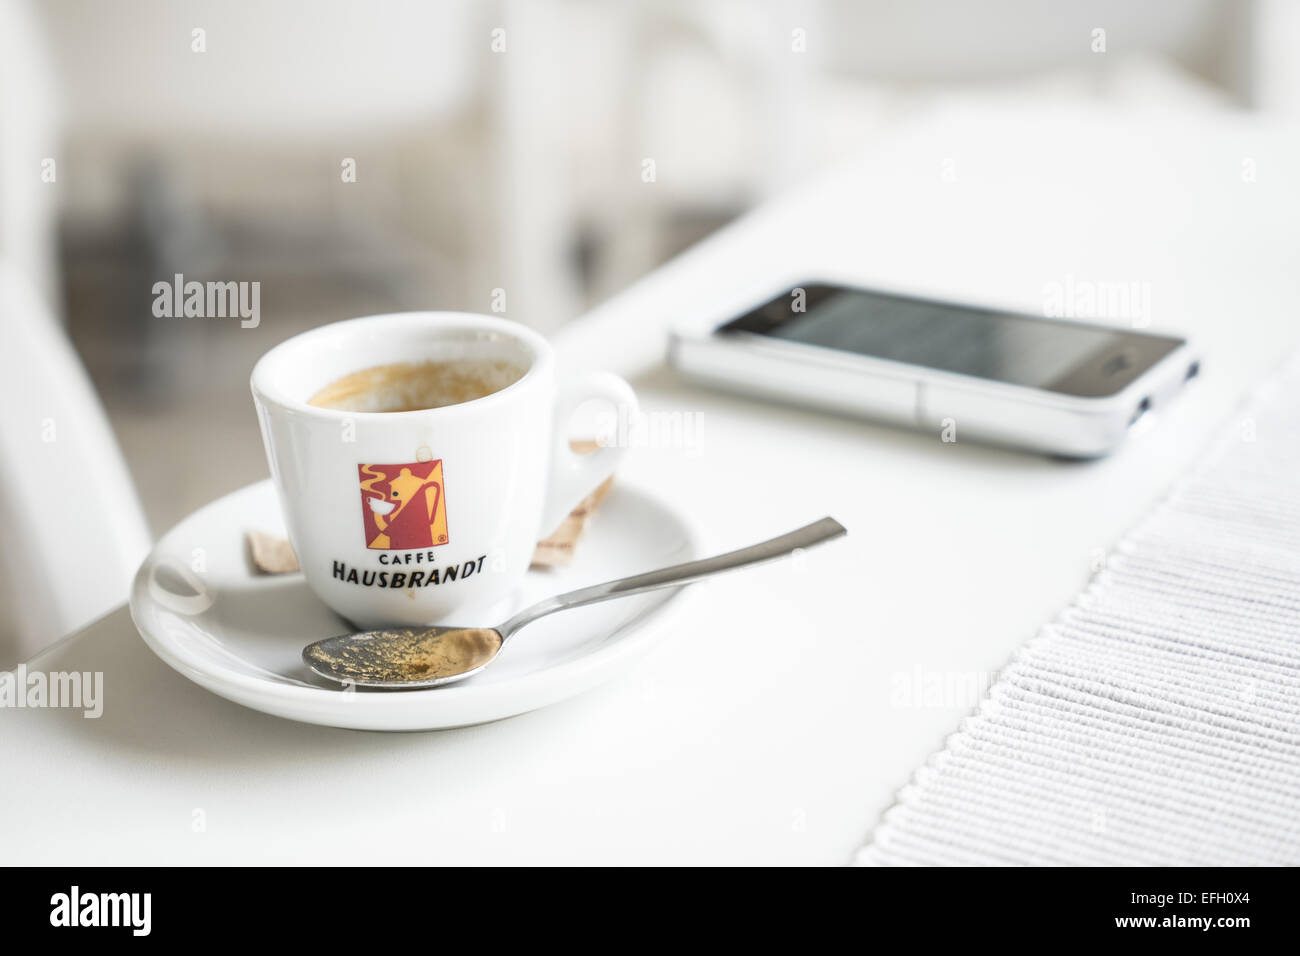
(493,475)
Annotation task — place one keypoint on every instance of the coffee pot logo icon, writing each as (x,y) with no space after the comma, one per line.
(404,506)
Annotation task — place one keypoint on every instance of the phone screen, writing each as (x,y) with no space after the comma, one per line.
(1072,358)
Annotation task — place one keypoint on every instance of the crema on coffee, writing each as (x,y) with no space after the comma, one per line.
(411,386)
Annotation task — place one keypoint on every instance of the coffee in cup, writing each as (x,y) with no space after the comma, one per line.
(411,386)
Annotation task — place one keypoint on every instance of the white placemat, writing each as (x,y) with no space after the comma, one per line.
(1157,720)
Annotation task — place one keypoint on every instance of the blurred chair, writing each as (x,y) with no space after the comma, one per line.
(735,101)
(74,533)
(29,181)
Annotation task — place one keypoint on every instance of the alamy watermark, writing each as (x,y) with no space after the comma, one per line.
(75,908)
(77,690)
(657,429)
(179,299)
(1119,300)
(920,688)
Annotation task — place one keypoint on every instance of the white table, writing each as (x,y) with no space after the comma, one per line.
(956,553)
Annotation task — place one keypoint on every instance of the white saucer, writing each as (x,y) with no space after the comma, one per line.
(202,608)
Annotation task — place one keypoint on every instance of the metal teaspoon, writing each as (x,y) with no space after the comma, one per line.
(412,658)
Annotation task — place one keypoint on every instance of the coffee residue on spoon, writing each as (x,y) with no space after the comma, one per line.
(449,653)
(412,655)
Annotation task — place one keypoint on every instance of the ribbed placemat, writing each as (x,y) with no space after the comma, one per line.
(1157,720)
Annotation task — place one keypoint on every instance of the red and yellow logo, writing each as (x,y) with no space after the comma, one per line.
(404,506)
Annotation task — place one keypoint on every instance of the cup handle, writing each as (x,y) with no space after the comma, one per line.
(573,475)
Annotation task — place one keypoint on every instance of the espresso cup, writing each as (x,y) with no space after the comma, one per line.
(487,478)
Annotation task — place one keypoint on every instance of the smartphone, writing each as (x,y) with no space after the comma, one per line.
(1061,387)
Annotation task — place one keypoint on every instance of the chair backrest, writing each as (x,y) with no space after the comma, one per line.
(73,531)
(30,177)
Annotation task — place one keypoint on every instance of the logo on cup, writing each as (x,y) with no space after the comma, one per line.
(403,506)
